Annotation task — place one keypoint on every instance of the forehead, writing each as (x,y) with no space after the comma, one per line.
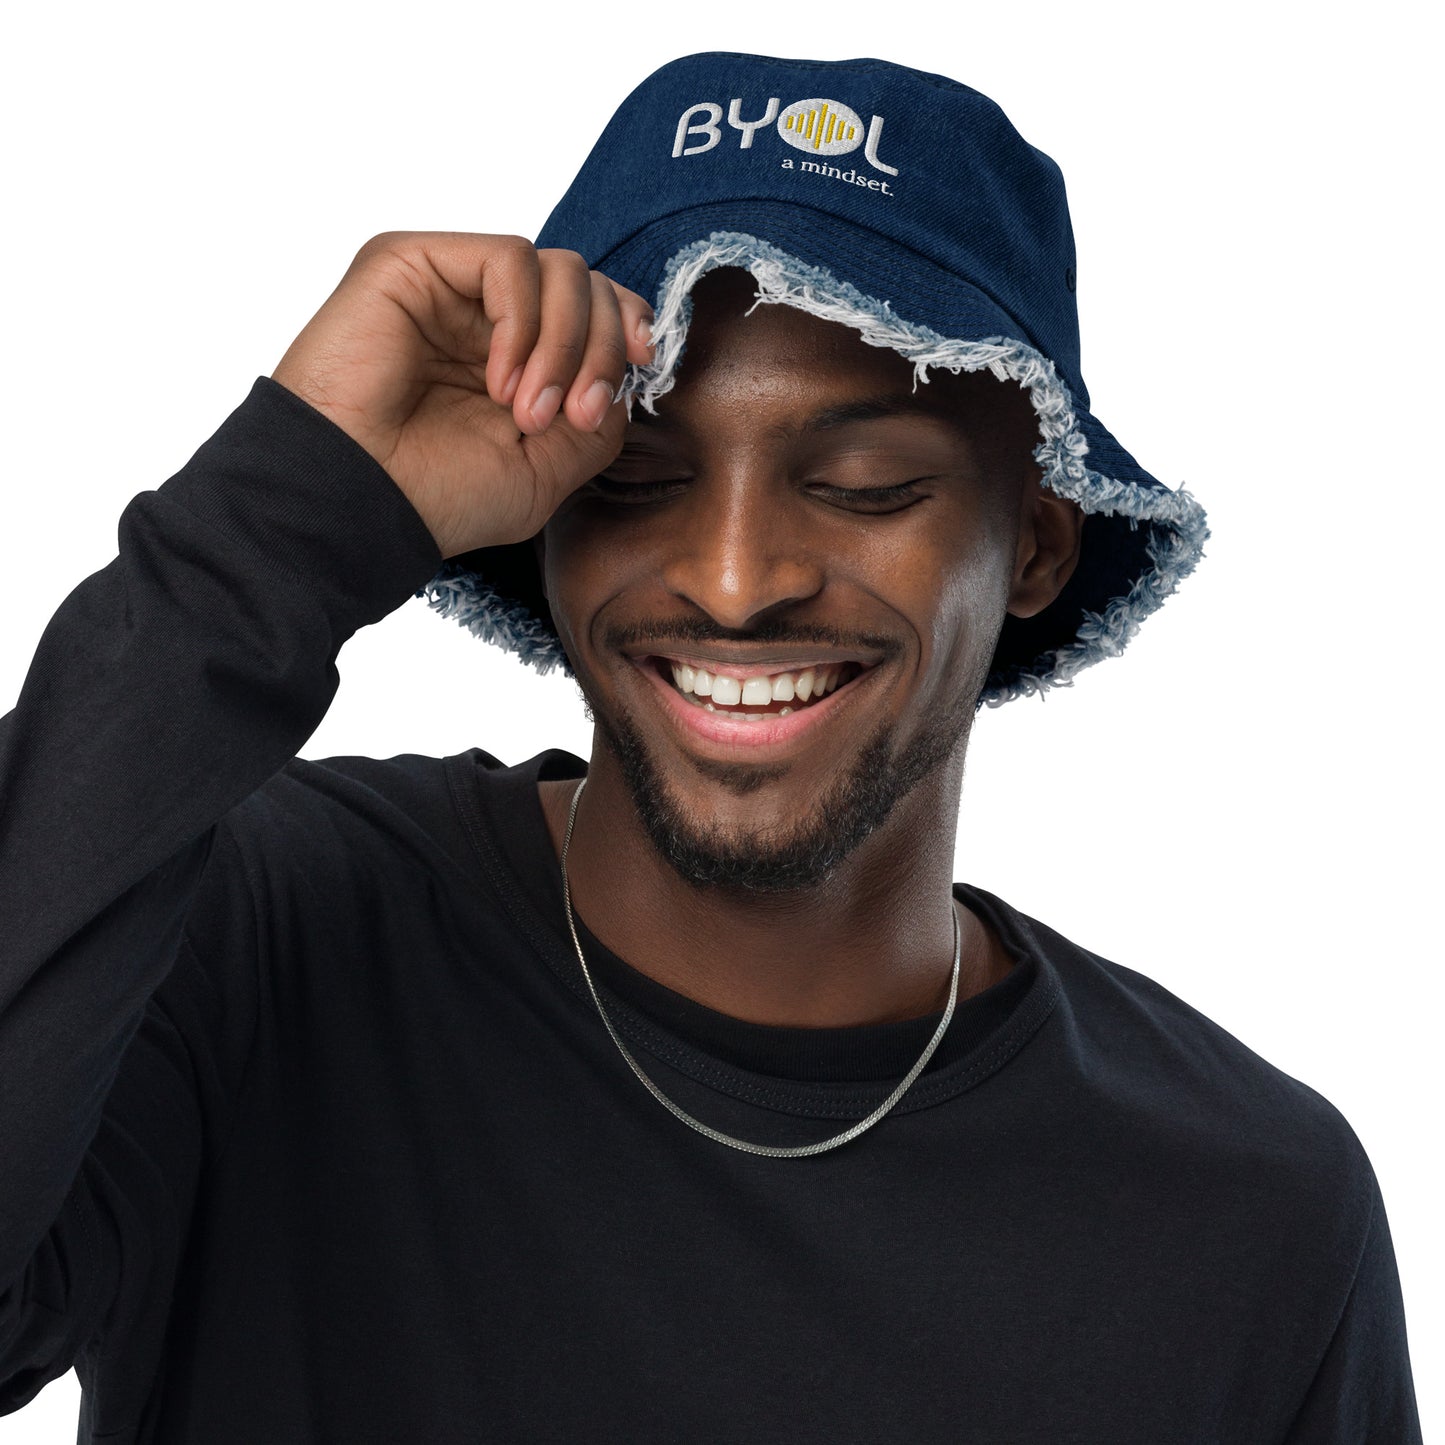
(731,334)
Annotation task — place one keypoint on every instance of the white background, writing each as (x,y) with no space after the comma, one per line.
(1244,807)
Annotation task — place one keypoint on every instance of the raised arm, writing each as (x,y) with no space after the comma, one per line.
(174,682)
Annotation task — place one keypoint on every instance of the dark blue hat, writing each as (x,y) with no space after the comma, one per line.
(903,205)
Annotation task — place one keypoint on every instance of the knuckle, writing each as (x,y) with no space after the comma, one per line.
(515,248)
(571,260)
(391,260)
(392,256)
(385,243)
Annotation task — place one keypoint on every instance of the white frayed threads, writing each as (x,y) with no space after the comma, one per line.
(476,605)
(1174,554)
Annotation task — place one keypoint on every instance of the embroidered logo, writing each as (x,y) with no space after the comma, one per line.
(823,127)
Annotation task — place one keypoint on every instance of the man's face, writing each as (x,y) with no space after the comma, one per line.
(781,600)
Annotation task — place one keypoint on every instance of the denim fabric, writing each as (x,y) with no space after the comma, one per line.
(971,236)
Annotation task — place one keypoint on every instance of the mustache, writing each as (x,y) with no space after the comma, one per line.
(778,630)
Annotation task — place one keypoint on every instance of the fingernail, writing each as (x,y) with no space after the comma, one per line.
(510,389)
(644,332)
(595,403)
(545,407)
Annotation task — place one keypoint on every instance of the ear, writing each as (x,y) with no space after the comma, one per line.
(1050,533)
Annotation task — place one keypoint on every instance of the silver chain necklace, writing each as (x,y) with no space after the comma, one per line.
(796,1151)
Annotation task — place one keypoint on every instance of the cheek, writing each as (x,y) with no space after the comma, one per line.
(960,598)
(586,565)
(566,578)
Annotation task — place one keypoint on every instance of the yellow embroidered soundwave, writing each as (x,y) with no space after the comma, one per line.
(820,127)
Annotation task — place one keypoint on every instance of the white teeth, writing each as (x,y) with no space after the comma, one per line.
(811,683)
(784,711)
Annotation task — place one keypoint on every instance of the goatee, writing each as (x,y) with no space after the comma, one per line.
(780,862)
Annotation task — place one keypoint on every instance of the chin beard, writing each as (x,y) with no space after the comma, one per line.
(775,862)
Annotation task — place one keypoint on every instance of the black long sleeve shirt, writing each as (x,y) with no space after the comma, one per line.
(310,1132)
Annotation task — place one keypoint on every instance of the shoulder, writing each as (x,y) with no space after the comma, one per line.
(385,802)
(321,832)
(1174,1090)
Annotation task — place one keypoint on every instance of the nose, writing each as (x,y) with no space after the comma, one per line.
(740,550)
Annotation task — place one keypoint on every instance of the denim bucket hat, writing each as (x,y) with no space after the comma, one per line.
(905,206)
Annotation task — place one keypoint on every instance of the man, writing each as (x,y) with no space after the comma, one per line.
(440,1100)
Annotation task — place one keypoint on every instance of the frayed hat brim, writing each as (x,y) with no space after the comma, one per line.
(1141,539)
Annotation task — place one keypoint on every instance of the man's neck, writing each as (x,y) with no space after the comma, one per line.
(871,944)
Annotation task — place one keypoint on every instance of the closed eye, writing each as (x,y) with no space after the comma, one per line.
(877,500)
(612,490)
(872,499)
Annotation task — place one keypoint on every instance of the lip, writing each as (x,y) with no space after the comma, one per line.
(731,735)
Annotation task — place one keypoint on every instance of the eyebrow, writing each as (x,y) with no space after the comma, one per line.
(872,409)
(844,414)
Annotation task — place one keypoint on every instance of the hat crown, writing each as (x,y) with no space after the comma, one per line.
(930,165)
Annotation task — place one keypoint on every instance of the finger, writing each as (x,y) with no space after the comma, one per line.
(637,319)
(599,377)
(566,303)
(488,300)
(511,301)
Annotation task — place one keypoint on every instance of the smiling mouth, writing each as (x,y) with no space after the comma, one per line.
(765,694)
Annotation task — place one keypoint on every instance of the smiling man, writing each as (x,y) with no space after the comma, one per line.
(781,601)
(680,1095)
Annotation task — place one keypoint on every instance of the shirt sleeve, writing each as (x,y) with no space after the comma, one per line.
(166,689)
(1363,1392)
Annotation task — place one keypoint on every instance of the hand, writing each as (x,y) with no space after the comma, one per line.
(479,371)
